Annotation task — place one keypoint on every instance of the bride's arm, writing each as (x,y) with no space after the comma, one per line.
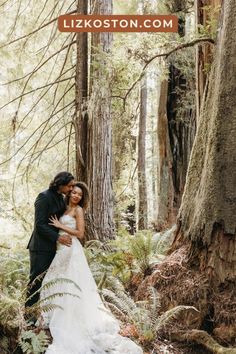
(80,226)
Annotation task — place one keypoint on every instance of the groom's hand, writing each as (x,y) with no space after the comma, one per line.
(65,240)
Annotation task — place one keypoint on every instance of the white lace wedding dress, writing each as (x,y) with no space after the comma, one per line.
(82,325)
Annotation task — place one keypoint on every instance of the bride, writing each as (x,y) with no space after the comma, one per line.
(78,320)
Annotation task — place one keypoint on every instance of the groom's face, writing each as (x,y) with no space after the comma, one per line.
(67,188)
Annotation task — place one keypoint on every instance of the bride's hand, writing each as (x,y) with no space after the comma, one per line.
(55,222)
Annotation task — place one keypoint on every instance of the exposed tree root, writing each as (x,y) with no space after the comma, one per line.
(203,338)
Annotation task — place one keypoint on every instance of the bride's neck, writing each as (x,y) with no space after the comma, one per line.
(72,206)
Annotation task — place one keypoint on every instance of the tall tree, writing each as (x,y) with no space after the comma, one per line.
(142,187)
(181,117)
(207,218)
(81,96)
(176,122)
(165,189)
(98,163)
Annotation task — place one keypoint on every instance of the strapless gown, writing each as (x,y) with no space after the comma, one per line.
(81,324)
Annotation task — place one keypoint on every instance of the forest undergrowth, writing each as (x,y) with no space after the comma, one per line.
(148,292)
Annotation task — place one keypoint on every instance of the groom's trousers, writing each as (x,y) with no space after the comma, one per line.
(39,264)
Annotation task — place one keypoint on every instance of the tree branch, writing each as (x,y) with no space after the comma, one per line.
(39,67)
(38,88)
(41,97)
(35,31)
(179,47)
(34,132)
(165,56)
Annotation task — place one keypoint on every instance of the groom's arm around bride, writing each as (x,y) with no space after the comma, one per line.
(42,244)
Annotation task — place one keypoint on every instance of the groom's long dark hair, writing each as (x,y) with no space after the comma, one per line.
(61,179)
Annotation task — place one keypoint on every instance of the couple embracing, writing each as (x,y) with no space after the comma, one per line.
(79,323)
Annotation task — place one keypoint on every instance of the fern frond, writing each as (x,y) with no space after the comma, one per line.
(154,304)
(119,303)
(118,288)
(31,342)
(59,280)
(170,315)
(117,311)
(50,307)
(51,283)
(56,295)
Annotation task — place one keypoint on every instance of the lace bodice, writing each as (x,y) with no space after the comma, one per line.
(68,221)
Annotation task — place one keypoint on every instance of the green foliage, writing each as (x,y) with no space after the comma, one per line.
(114,263)
(124,256)
(13,280)
(4,344)
(167,317)
(13,285)
(14,263)
(209,29)
(9,311)
(145,315)
(164,239)
(31,342)
(143,248)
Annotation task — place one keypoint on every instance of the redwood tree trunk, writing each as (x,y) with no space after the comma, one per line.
(99,143)
(207,218)
(181,128)
(81,95)
(204,52)
(165,193)
(176,132)
(142,187)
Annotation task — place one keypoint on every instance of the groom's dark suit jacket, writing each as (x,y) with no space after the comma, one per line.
(44,236)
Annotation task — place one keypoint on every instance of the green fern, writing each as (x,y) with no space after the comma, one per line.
(167,317)
(9,311)
(31,342)
(52,283)
(143,314)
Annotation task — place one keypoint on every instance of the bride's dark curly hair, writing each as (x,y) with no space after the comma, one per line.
(84,202)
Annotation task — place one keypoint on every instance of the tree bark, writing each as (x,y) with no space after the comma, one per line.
(204,52)
(142,186)
(81,96)
(207,218)
(177,124)
(165,183)
(99,142)
(181,128)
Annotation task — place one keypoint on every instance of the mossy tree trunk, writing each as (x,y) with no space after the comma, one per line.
(206,13)
(207,218)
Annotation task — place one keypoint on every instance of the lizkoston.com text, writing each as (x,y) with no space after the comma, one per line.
(117,23)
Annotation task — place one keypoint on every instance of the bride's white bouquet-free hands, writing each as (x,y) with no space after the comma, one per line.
(55,222)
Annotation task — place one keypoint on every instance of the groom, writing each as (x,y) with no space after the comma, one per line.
(42,244)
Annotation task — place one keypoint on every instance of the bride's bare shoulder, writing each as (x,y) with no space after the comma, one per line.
(79,210)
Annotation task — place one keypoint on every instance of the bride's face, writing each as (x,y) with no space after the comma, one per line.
(76,195)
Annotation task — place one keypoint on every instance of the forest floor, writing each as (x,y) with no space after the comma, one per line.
(210,319)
